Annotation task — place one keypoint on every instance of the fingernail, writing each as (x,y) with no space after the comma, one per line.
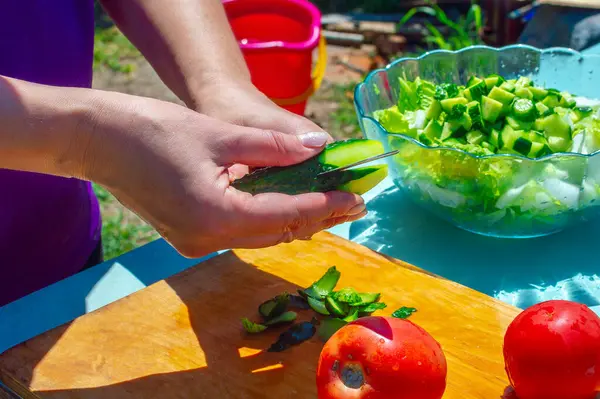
(356,210)
(313,139)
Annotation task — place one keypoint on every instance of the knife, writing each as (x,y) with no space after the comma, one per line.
(352,165)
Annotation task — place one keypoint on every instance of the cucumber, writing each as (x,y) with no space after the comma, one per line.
(524,110)
(493,80)
(302,177)
(542,109)
(473,80)
(365,179)
(432,132)
(495,138)
(523,92)
(552,100)
(501,95)
(582,112)
(518,124)
(491,109)
(508,86)
(567,101)
(488,146)
(507,138)
(475,137)
(474,93)
(474,112)
(449,103)
(557,132)
(524,81)
(336,308)
(522,145)
(538,93)
(434,110)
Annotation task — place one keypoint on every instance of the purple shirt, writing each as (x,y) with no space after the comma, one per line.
(49,225)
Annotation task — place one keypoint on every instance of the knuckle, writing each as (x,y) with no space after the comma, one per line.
(298,220)
(286,237)
(276,141)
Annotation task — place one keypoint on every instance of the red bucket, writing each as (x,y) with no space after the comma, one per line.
(277,38)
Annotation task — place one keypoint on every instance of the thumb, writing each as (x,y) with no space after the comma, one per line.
(270,148)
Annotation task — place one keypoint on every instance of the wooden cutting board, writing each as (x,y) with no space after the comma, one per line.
(572,3)
(182,337)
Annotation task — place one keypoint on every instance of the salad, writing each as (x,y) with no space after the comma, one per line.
(492,115)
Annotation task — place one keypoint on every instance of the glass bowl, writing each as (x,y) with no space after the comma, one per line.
(500,195)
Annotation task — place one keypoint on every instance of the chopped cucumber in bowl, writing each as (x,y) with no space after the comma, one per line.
(498,156)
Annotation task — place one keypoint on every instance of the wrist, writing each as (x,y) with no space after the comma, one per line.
(38,124)
(222,100)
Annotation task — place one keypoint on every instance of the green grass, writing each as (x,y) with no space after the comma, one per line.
(343,119)
(112,49)
(122,230)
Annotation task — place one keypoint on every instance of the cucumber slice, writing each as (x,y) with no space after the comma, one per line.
(302,177)
(371,176)
(473,80)
(493,80)
(567,101)
(582,112)
(557,131)
(449,103)
(434,110)
(336,308)
(522,145)
(495,138)
(432,132)
(474,93)
(318,306)
(488,146)
(491,109)
(501,95)
(523,109)
(474,112)
(524,92)
(542,109)
(446,131)
(508,136)
(508,86)
(324,285)
(538,93)
(552,100)
(524,81)
(475,137)
(518,124)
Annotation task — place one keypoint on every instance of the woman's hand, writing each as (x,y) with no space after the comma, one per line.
(171,166)
(240,103)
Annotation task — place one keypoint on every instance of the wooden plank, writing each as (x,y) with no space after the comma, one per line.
(595,4)
(182,338)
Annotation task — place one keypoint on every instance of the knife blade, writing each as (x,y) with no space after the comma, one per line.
(364,161)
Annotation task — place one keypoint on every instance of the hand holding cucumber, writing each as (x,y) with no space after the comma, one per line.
(171,166)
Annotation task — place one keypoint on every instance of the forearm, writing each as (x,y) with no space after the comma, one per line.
(39,127)
(190,45)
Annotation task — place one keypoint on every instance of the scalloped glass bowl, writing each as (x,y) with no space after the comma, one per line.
(501,195)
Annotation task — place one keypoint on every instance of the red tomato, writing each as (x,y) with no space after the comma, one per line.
(381,358)
(552,351)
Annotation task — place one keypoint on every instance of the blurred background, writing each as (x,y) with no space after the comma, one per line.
(361,35)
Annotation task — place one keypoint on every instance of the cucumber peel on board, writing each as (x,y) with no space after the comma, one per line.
(303,177)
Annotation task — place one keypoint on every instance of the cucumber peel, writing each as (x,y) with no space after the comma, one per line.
(303,177)
(323,286)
